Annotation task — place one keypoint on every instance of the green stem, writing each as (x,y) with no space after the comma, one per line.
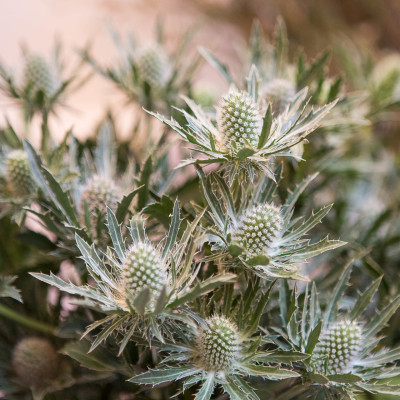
(27,321)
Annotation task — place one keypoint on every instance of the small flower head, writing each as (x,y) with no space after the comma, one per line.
(239,121)
(217,344)
(18,174)
(278,93)
(35,361)
(153,66)
(338,347)
(39,76)
(144,268)
(100,193)
(259,229)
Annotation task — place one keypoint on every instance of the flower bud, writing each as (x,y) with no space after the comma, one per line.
(153,66)
(239,121)
(337,348)
(98,194)
(40,76)
(143,268)
(217,344)
(259,229)
(35,362)
(278,93)
(18,173)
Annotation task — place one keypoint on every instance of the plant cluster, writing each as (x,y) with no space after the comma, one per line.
(127,277)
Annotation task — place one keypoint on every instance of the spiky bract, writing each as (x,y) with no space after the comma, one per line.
(239,121)
(218,344)
(338,346)
(144,268)
(18,174)
(35,361)
(259,229)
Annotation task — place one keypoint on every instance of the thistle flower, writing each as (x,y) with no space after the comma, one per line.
(245,140)
(257,234)
(278,92)
(218,344)
(40,77)
(35,362)
(140,290)
(144,268)
(338,347)
(154,67)
(259,229)
(347,357)
(217,353)
(18,173)
(239,121)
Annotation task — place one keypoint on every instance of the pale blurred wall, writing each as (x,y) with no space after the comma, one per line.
(36,23)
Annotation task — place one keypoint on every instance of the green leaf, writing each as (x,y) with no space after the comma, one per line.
(273,373)
(154,377)
(337,293)
(381,318)
(313,72)
(206,389)
(115,234)
(387,356)
(280,356)
(161,210)
(173,230)
(244,153)
(383,388)
(318,378)
(222,68)
(202,288)
(261,259)
(124,204)
(144,183)
(235,250)
(364,300)
(266,128)
(237,387)
(7,289)
(313,338)
(344,378)
(141,300)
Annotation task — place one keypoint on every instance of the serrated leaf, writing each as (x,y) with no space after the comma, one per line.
(261,259)
(344,378)
(222,68)
(124,204)
(280,356)
(207,389)
(115,233)
(154,377)
(7,289)
(313,338)
(266,128)
(173,230)
(273,373)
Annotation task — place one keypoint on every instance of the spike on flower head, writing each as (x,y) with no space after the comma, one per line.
(217,344)
(40,76)
(338,346)
(144,268)
(259,229)
(239,121)
(153,66)
(35,361)
(278,93)
(19,177)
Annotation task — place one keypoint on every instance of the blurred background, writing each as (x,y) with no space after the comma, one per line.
(222,25)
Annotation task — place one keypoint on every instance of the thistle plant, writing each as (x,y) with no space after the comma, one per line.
(222,278)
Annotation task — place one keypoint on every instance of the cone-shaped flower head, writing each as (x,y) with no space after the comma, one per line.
(338,346)
(153,66)
(100,193)
(40,76)
(278,93)
(259,229)
(217,344)
(239,121)
(35,361)
(19,177)
(144,268)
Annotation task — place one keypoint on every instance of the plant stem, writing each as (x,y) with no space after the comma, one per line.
(27,321)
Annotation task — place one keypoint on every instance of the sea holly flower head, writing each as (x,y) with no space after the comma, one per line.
(278,93)
(246,137)
(18,174)
(239,121)
(346,353)
(144,286)
(338,347)
(257,234)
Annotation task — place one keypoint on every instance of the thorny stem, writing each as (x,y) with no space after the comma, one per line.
(27,321)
